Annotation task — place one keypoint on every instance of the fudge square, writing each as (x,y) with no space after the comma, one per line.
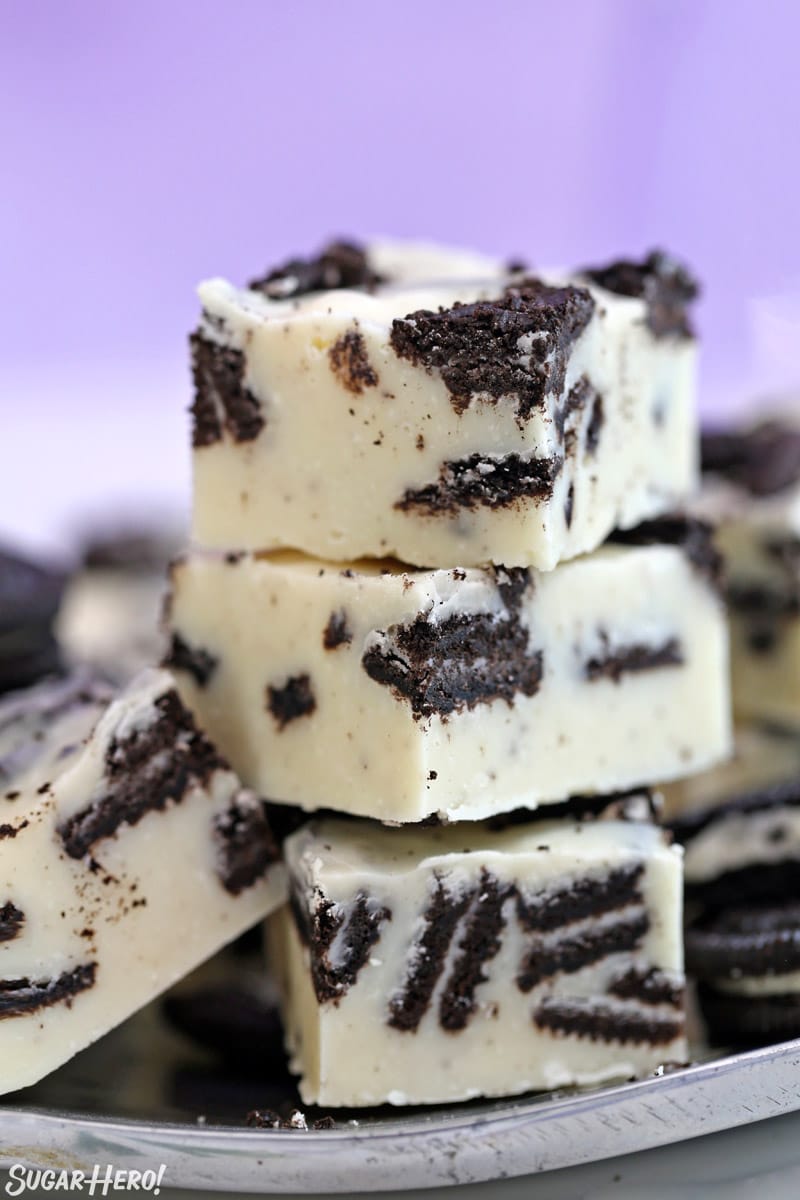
(398,694)
(752,491)
(427,966)
(129,853)
(515,420)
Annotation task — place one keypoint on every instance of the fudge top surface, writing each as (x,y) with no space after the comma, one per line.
(387,280)
(42,728)
(374,310)
(335,851)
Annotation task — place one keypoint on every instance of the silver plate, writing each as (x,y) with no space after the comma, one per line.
(142,1098)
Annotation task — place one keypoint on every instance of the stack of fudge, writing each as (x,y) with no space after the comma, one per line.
(436,598)
(740,823)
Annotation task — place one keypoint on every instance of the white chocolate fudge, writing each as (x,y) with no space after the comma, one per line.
(109,618)
(130,853)
(505,419)
(740,823)
(752,493)
(397,693)
(438,965)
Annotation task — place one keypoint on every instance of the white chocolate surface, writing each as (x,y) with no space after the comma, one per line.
(328,469)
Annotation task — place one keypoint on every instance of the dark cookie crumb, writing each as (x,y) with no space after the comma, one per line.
(661,281)
(475,347)
(18,997)
(481,481)
(143,774)
(336,633)
(694,537)
(11,921)
(340,264)
(648,987)
(595,426)
(462,661)
(569,506)
(547,910)
(479,944)
(350,363)
(222,403)
(440,918)
(293,700)
(246,847)
(195,661)
(574,951)
(358,927)
(567,417)
(763,460)
(266,1118)
(602,1022)
(626,660)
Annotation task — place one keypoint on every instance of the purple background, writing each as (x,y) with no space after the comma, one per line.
(149,144)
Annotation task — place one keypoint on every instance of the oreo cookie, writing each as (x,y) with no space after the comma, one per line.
(30,594)
(764,460)
(752,942)
(749,1021)
(756,943)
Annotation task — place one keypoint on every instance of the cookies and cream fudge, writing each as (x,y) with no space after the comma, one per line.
(109,618)
(353,410)
(435,965)
(398,693)
(752,492)
(347,264)
(130,853)
(739,823)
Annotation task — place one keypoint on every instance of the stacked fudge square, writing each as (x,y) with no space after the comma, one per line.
(130,853)
(435,597)
(740,823)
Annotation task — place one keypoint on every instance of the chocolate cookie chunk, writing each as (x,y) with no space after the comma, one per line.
(762,940)
(661,281)
(517,345)
(340,264)
(763,460)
